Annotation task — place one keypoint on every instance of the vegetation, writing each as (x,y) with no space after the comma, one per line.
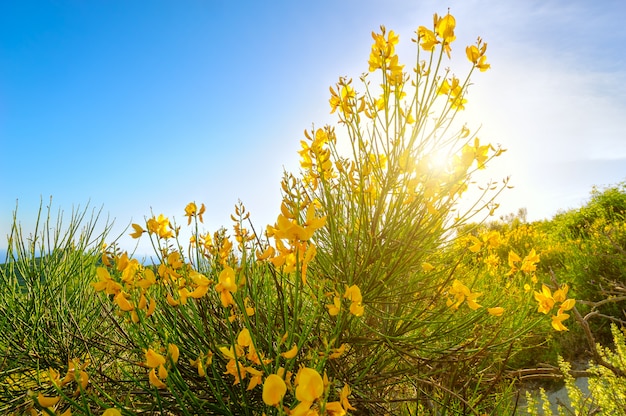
(374,292)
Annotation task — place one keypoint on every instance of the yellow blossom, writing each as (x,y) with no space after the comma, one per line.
(291,353)
(462,293)
(106,283)
(160,226)
(427,267)
(190,211)
(497,311)
(334,409)
(476,246)
(445,28)
(338,352)
(545,299)
(353,293)
(256,376)
(310,385)
(138,231)
(567,305)
(529,264)
(335,307)
(174,352)
(274,389)
(244,339)
(561,294)
(557,321)
(154,379)
(426,38)
(153,358)
(45,401)
(226,286)
(122,302)
(343,397)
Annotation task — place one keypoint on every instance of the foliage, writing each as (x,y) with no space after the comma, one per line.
(607,386)
(52,313)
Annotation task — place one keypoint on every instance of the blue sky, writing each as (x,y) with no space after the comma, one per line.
(144,105)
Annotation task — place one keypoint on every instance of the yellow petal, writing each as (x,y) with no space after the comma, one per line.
(154,380)
(291,353)
(274,390)
(45,401)
(174,352)
(171,301)
(154,359)
(310,385)
(123,303)
(244,339)
(567,305)
(497,311)
(151,307)
(112,412)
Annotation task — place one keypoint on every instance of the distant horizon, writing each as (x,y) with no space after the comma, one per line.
(145,256)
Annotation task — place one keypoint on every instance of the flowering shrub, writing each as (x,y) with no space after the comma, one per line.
(372,292)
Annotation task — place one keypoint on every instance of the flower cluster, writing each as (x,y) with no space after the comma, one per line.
(310,389)
(547,300)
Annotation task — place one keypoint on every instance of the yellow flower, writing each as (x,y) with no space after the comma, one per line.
(462,293)
(174,352)
(105,283)
(476,55)
(45,401)
(427,267)
(154,380)
(123,303)
(492,239)
(310,385)
(557,321)
(427,38)
(171,301)
(201,362)
(190,211)
(338,352)
(153,359)
(112,412)
(244,339)
(567,305)
(138,231)
(475,248)
(333,310)
(529,264)
(342,100)
(353,293)
(226,286)
(160,226)
(561,294)
(357,309)
(445,28)
(249,309)
(497,311)
(545,300)
(343,397)
(334,409)
(291,353)
(274,389)
(256,376)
